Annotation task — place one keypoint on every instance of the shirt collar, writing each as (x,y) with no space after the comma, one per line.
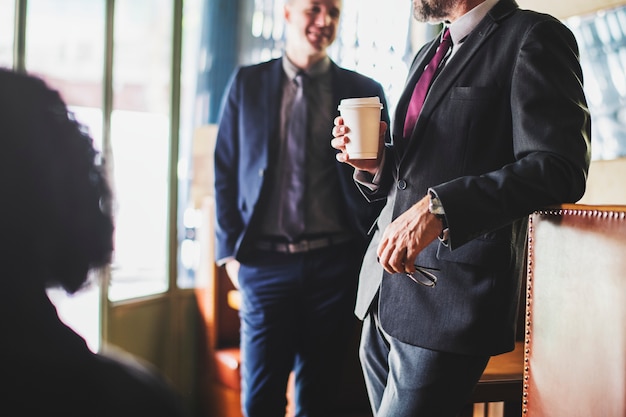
(463,26)
(319,68)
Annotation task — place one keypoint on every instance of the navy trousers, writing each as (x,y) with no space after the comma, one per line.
(409,381)
(296,314)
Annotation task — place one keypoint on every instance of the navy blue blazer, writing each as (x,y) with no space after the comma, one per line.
(249,122)
(505,130)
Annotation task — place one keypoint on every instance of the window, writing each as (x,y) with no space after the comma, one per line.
(602,40)
(6,32)
(194,62)
(65,47)
(366,44)
(140,146)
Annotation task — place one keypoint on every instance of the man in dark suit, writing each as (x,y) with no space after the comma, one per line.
(298,289)
(504,130)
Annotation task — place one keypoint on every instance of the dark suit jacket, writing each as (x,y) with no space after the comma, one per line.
(248,126)
(504,131)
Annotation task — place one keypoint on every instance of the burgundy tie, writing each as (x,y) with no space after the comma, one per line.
(423,84)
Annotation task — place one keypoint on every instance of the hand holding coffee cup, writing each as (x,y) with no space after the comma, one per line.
(362,118)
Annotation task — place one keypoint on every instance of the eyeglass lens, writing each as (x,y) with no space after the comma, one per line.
(423,276)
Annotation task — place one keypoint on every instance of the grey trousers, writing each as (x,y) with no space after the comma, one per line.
(409,381)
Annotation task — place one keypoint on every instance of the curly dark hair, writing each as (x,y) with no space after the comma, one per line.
(55,216)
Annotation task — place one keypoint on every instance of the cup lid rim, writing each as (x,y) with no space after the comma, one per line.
(361,101)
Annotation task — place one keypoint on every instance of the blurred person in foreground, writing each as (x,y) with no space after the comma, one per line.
(55,228)
(504,129)
(297,278)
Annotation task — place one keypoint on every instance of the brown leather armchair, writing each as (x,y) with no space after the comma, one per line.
(575,344)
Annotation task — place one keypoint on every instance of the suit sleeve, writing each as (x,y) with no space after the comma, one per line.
(228,222)
(551,141)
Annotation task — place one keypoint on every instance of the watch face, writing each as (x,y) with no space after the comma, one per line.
(435,206)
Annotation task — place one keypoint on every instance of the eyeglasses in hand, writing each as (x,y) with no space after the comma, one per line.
(423,276)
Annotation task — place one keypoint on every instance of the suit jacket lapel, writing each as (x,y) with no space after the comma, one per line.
(444,81)
(419,62)
(423,56)
(340,85)
(463,57)
(269,123)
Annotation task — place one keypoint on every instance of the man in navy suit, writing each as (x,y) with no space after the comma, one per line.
(298,291)
(504,130)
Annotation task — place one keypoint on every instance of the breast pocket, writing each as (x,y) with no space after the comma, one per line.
(473,93)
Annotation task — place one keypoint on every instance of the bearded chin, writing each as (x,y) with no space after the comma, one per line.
(430,11)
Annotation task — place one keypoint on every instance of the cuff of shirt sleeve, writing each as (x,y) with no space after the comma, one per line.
(365,179)
(223,261)
(436,208)
(368,180)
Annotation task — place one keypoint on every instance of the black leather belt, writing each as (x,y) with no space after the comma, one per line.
(304,245)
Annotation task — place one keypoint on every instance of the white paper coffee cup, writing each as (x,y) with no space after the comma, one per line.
(362,117)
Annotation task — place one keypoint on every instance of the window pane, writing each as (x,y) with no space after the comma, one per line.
(7,13)
(365,43)
(73,65)
(188,167)
(601,38)
(140,127)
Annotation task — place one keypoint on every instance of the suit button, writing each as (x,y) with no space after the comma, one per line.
(402,185)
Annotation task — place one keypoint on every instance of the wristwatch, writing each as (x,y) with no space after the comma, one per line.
(436,208)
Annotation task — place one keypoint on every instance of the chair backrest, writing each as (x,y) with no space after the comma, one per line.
(575,357)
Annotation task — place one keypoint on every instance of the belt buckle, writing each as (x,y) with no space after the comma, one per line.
(296,247)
